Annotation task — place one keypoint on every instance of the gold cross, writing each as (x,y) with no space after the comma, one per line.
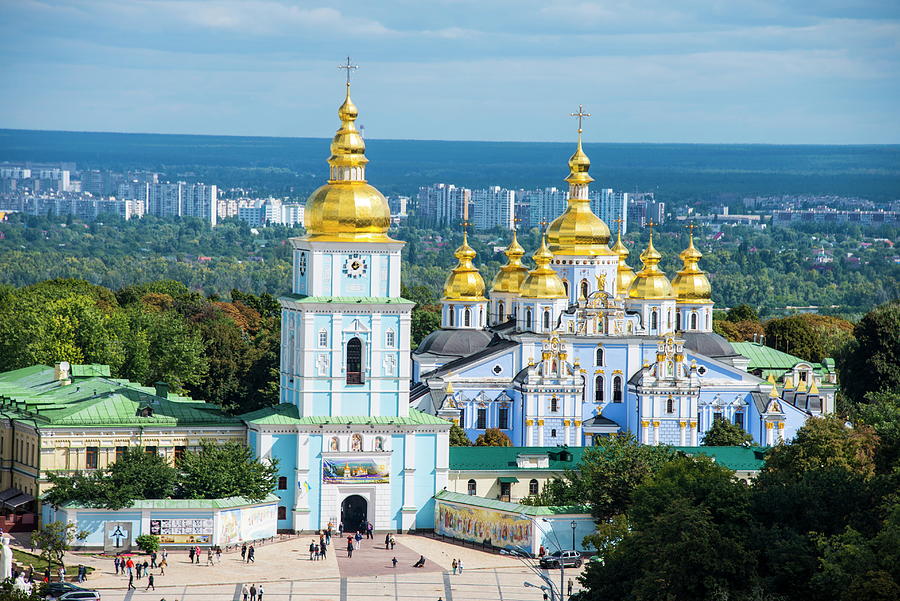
(544,224)
(580,114)
(650,224)
(691,227)
(620,222)
(516,221)
(349,67)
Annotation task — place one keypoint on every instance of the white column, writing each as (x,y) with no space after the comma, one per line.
(408,512)
(578,437)
(540,423)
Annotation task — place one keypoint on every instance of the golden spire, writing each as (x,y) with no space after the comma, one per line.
(624,273)
(814,387)
(543,281)
(465,282)
(691,284)
(771,379)
(347,209)
(510,277)
(801,385)
(789,383)
(578,231)
(650,283)
(449,387)
(773,393)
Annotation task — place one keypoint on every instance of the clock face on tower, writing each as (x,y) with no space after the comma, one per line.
(355,266)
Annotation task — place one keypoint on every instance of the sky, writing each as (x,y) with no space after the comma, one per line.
(695,71)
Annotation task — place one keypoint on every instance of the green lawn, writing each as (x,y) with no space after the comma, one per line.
(25,559)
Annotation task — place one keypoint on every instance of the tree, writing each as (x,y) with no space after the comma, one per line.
(147,543)
(458,437)
(739,331)
(742,312)
(493,437)
(871,364)
(9,592)
(723,433)
(225,470)
(809,336)
(55,539)
(424,322)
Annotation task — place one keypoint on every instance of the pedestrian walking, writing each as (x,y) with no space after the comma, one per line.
(117,562)
(393,562)
(150,584)
(245,591)
(129,565)
(370,530)
(191,554)
(252,592)
(259,593)
(218,554)
(387,541)
(459,565)
(209,557)
(453,565)
(570,586)
(153,559)
(162,567)
(131,582)
(318,553)
(146,568)
(341,529)
(244,552)
(138,569)
(312,549)
(323,549)
(393,542)
(358,539)
(251,554)
(62,574)
(349,547)
(82,573)
(165,555)
(197,554)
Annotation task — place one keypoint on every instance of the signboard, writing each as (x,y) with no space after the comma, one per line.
(478,525)
(354,471)
(183,531)
(117,537)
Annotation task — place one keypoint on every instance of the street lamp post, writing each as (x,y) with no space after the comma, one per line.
(574,525)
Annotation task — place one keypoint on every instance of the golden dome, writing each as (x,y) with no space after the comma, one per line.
(650,283)
(691,284)
(624,273)
(347,209)
(543,281)
(465,282)
(578,231)
(510,277)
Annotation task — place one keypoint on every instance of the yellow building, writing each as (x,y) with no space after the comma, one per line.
(71,418)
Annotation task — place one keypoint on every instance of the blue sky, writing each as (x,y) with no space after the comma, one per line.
(799,71)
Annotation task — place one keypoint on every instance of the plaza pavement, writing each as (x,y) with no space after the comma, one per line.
(287,574)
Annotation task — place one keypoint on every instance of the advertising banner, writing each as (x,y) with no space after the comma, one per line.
(183,531)
(354,471)
(479,525)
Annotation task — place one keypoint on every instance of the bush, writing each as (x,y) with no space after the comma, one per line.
(147,543)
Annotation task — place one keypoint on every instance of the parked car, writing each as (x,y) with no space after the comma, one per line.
(66,591)
(559,559)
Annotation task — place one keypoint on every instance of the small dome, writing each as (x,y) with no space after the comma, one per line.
(691,284)
(510,277)
(543,281)
(624,273)
(650,283)
(465,282)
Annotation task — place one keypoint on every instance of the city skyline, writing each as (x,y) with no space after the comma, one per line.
(769,72)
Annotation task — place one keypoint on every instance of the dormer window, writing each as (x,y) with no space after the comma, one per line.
(145,412)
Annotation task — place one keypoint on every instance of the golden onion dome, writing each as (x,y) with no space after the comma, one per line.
(347,209)
(510,277)
(578,231)
(650,283)
(465,282)
(624,273)
(691,284)
(543,281)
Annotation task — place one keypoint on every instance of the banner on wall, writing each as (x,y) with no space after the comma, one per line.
(479,525)
(354,471)
(259,522)
(183,531)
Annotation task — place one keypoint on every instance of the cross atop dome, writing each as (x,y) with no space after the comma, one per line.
(580,115)
(349,66)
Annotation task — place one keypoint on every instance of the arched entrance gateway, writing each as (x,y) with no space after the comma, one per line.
(354,513)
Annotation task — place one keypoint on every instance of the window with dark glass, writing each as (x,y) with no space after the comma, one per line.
(471,487)
(354,361)
(617,389)
(654,320)
(503,418)
(533,487)
(598,389)
(584,289)
(179,453)
(501,315)
(482,419)
(670,405)
(91,457)
(468,317)
(282,512)
(282,483)
(739,419)
(151,450)
(599,357)
(553,433)
(120,453)
(693,321)
(554,405)
(528,319)
(546,320)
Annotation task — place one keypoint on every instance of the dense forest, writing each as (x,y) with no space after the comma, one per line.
(768,269)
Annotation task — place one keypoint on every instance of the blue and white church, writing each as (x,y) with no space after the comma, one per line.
(581,346)
(350,449)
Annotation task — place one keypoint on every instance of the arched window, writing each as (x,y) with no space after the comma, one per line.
(451,316)
(707,320)
(585,288)
(354,361)
(282,512)
(617,389)
(533,487)
(472,490)
(552,432)
(669,320)
(678,321)
(546,320)
(323,337)
(654,320)
(566,287)
(528,318)
(467,319)
(282,483)
(554,405)
(481,317)
(693,321)
(390,339)
(670,405)
(599,357)
(335,444)
(356,443)
(598,389)
(501,312)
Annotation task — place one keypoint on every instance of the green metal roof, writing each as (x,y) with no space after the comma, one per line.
(35,395)
(224,503)
(287,414)
(507,479)
(503,459)
(92,369)
(775,362)
(528,510)
(348,300)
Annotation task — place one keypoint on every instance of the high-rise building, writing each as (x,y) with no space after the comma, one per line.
(544,205)
(610,206)
(200,200)
(492,207)
(441,204)
(165,199)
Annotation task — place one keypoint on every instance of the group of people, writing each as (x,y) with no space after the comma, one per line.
(457,566)
(252,593)
(248,554)
(213,555)
(318,550)
(126,566)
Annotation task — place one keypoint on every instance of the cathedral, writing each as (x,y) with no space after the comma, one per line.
(576,348)
(581,346)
